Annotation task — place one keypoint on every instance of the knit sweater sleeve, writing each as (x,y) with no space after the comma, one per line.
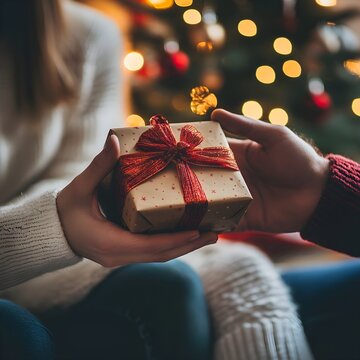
(335,224)
(32,241)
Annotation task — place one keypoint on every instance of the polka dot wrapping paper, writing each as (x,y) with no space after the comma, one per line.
(157,205)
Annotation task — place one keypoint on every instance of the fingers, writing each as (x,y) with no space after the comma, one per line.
(119,247)
(203,240)
(256,130)
(172,253)
(101,166)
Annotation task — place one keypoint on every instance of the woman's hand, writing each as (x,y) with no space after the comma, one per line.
(92,236)
(285,175)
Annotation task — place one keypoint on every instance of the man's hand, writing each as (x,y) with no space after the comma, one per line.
(92,236)
(285,175)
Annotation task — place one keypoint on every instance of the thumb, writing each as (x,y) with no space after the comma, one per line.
(101,166)
(256,130)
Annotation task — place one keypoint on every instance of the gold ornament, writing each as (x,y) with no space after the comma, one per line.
(202,100)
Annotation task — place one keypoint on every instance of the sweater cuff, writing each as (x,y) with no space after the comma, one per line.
(335,222)
(35,243)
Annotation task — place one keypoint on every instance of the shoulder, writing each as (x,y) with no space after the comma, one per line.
(91,29)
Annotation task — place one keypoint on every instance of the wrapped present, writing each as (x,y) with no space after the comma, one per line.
(177,177)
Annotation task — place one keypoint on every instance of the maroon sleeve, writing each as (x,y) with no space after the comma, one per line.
(335,224)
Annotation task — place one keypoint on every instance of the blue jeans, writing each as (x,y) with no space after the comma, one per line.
(142,311)
(328,299)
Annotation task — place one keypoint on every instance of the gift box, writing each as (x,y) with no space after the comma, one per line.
(177,177)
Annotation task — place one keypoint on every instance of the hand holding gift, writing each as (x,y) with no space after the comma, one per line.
(285,174)
(94,237)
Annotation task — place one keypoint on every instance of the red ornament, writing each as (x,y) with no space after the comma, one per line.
(318,107)
(175,64)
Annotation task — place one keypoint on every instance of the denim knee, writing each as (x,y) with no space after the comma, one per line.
(22,336)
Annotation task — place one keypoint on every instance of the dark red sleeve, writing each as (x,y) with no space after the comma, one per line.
(335,224)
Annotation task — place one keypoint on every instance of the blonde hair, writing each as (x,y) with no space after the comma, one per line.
(35,33)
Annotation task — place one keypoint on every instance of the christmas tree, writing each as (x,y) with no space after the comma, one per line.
(293,63)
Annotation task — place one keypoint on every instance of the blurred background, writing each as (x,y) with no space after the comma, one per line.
(295,63)
(288,62)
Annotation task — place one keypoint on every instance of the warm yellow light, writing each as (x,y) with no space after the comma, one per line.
(161,4)
(353,66)
(252,109)
(247,28)
(265,74)
(278,116)
(135,120)
(327,3)
(356,106)
(283,46)
(134,61)
(204,46)
(192,17)
(183,3)
(292,68)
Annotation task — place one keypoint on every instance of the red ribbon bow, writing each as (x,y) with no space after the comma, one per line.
(157,149)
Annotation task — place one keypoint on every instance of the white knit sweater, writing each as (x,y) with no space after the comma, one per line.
(37,159)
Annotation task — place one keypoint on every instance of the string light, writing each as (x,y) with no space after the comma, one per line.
(192,17)
(135,120)
(252,109)
(353,66)
(134,61)
(356,106)
(283,46)
(183,3)
(326,3)
(265,74)
(292,68)
(204,46)
(278,116)
(161,4)
(247,28)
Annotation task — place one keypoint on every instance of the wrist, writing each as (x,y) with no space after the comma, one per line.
(321,168)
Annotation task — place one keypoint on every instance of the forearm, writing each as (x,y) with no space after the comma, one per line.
(335,223)
(32,241)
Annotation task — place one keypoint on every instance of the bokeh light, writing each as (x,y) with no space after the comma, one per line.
(161,4)
(204,46)
(278,116)
(265,74)
(252,109)
(292,68)
(135,120)
(134,61)
(356,106)
(247,28)
(183,3)
(353,66)
(171,46)
(283,46)
(326,3)
(192,17)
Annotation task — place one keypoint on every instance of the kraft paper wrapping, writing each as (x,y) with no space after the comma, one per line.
(157,205)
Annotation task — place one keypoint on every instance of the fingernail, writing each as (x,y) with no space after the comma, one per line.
(194,236)
(107,146)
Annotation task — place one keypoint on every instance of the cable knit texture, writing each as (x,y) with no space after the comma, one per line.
(253,315)
(335,223)
(39,157)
